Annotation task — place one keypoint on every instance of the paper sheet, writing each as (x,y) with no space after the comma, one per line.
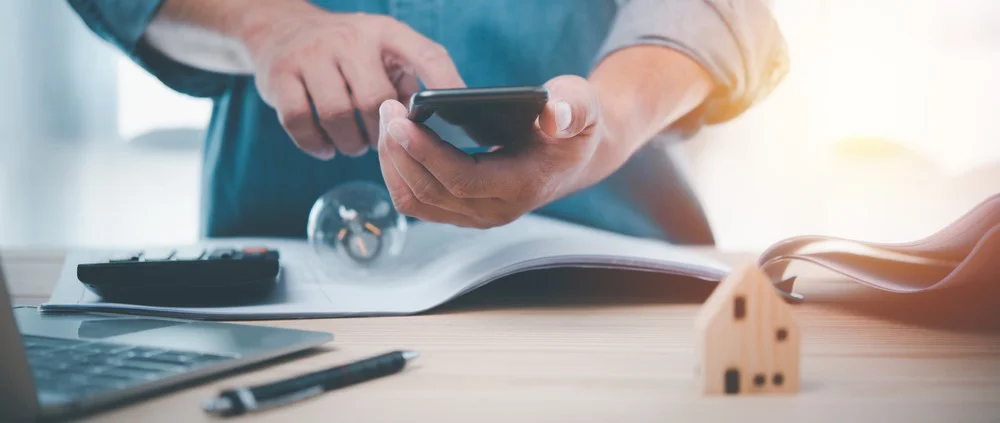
(966,251)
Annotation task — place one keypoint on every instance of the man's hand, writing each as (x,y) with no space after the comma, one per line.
(311,61)
(315,67)
(586,132)
(432,180)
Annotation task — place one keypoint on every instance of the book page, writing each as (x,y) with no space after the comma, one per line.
(438,263)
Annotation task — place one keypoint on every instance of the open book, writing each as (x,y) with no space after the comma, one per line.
(441,262)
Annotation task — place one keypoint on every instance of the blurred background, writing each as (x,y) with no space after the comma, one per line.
(885,129)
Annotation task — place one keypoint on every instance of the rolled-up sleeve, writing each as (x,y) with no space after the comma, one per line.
(122,24)
(737,41)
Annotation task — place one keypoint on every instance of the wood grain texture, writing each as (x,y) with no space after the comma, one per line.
(746,338)
(589,347)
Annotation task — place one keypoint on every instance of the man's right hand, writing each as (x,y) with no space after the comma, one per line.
(307,60)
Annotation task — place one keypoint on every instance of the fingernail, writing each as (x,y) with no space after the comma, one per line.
(383,114)
(398,133)
(564,116)
(326,154)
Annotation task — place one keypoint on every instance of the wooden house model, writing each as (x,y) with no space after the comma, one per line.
(747,342)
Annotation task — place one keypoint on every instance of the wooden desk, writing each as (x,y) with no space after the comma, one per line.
(560,346)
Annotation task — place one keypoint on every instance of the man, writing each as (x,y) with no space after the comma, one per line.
(310,95)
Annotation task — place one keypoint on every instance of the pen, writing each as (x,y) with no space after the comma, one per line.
(237,401)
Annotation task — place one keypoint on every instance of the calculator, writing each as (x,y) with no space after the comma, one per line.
(183,276)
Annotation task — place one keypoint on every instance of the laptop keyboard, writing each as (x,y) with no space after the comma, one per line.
(81,367)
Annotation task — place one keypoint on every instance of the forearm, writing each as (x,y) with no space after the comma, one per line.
(642,91)
(211,35)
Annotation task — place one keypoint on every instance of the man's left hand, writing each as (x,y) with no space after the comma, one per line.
(432,180)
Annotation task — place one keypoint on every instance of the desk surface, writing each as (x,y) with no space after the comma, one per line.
(576,346)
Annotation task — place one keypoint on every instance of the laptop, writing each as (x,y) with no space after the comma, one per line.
(67,365)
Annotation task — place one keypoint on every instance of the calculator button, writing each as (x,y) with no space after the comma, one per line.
(189,254)
(126,257)
(223,254)
(158,255)
(257,253)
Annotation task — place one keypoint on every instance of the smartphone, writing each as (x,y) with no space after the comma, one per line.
(492,116)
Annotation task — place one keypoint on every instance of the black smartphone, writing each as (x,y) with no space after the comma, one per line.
(491,116)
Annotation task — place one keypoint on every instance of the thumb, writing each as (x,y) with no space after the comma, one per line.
(572,108)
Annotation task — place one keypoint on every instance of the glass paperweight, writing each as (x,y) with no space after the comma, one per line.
(357,225)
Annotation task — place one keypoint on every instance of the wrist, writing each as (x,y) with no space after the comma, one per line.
(616,141)
(645,89)
(630,115)
(217,35)
(621,132)
(608,155)
(251,25)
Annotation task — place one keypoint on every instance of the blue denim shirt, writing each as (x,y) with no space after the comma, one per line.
(257,183)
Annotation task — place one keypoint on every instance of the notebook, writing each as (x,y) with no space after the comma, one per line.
(441,262)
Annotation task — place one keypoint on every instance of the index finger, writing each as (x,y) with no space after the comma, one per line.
(429,59)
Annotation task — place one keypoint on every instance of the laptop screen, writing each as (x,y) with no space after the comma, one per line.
(18,399)
(3,285)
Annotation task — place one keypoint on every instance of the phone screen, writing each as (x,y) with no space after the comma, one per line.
(491,116)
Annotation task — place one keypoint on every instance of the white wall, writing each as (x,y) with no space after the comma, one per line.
(914,77)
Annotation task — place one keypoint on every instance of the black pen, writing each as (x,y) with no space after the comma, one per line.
(233,402)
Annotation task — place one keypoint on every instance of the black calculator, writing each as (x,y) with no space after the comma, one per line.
(184,276)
